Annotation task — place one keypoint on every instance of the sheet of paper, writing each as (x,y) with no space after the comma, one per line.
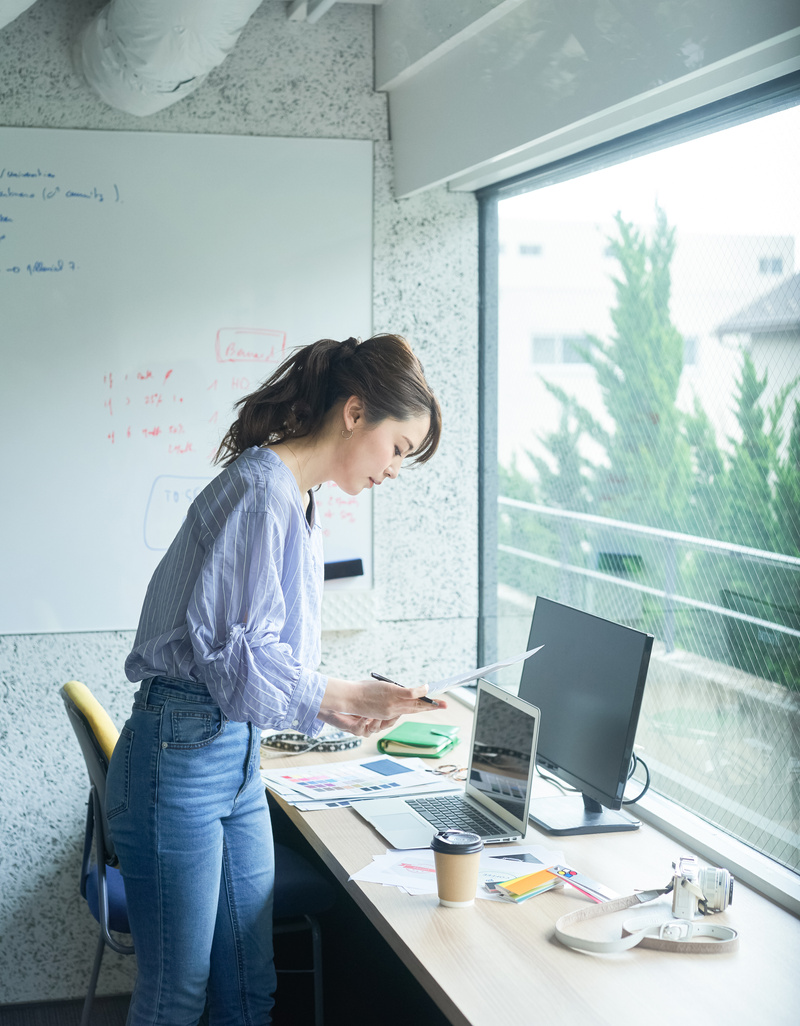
(377,777)
(303,804)
(447,683)
(414,871)
(534,854)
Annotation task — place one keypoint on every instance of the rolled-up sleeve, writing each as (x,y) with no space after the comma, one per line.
(244,622)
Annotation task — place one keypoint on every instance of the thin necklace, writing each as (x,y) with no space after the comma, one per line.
(299,467)
(269,445)
(291,450)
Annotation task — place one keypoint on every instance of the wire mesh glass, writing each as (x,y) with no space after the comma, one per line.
(649,450)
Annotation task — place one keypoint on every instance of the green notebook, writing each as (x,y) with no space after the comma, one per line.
(428,740)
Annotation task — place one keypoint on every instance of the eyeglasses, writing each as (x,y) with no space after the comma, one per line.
(451,770)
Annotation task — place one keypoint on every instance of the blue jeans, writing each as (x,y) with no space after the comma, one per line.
(188,816)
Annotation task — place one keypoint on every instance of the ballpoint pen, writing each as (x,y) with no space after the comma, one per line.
(388,680)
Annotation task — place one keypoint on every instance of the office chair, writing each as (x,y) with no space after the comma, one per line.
(100,881)
(301,893)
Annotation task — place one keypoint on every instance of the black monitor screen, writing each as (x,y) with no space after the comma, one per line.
(588,681)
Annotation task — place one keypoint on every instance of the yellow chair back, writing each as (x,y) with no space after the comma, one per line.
(99,720)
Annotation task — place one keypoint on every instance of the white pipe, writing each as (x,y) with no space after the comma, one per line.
(316,8)
(143,55)
(10,9)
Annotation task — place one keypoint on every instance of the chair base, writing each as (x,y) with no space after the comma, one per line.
(306,922)
(89,1000)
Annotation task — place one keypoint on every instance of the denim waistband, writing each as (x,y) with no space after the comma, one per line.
(174,687)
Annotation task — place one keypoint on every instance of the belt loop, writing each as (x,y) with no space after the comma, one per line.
(144,688)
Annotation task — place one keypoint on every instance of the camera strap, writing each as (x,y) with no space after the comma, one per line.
(298,744)
(664,935)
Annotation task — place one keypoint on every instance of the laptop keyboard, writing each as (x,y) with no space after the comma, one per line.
(448,813)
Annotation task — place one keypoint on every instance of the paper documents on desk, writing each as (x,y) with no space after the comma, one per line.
(354,780)
(464,678)
(414,871)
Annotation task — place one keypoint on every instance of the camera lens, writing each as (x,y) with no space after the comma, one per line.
(717,887)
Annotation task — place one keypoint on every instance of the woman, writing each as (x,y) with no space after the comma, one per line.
(228,642)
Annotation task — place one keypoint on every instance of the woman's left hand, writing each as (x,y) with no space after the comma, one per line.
(361,726)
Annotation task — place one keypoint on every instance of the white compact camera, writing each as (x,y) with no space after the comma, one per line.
(699,892)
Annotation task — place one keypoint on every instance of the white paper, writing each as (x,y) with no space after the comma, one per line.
(304,804)
(464,678)
(414,871)
(331,781)
(528,854)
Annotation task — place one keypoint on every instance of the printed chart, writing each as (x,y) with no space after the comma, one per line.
(355,778)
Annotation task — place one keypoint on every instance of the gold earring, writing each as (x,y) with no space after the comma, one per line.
(348,437)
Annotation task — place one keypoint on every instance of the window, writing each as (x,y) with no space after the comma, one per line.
(658,484)
(770,265)
(559,348)
(690,347)
(572,349)
(545,349)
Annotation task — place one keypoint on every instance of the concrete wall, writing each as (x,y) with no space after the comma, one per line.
(283,79)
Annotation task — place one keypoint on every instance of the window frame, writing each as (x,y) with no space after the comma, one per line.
(758,871)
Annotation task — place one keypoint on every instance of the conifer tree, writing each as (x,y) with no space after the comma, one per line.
(751,510)
(787,493)
(649,476)
(706,515)
(567,484)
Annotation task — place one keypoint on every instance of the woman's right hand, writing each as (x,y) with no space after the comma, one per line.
(375,699)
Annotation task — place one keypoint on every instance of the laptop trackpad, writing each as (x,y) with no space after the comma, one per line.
(397,821)
(403,830)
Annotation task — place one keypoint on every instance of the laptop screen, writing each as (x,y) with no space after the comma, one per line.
(503,752)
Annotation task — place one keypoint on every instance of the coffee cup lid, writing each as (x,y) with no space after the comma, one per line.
(456,842)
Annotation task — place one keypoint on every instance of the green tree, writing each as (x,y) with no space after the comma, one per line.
(518,529)
(750,503)
(567,484)
(787,493)
(665,468)
(649,476)
(706,513)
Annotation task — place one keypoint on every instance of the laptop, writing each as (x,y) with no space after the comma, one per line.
(498,788)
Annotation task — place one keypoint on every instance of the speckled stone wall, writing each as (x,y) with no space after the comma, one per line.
(283,79)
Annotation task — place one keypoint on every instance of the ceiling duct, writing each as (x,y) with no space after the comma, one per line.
(143,55)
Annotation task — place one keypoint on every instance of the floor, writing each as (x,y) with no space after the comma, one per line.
(107,1011)
(364,982)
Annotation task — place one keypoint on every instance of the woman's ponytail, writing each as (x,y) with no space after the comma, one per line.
(382,372)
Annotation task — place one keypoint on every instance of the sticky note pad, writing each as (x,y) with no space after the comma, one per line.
(523,887)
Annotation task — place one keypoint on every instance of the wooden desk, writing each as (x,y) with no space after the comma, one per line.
(498,964)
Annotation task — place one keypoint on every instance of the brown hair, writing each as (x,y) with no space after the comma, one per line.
(382,372)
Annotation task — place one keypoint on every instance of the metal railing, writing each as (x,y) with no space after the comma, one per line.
(671,541)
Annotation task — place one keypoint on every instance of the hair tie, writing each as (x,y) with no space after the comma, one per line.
(347,348)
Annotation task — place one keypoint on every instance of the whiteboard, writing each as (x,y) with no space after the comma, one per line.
(148,281)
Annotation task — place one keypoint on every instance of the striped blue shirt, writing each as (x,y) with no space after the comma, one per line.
(235,602)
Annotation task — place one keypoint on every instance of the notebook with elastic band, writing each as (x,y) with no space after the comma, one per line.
(422,740)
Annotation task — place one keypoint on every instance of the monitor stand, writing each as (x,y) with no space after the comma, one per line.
(563,814)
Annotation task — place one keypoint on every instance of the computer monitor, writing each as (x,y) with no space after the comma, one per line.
(588,681)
